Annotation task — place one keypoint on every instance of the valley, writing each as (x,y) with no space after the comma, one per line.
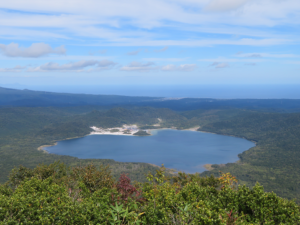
(273,162)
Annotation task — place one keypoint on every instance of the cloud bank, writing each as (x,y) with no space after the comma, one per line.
(182,68)
(162,50)
(14,69)
(266,55)
(80,66)
(34,51)
(225,5)
(134,52)
(138,66)
(219,65)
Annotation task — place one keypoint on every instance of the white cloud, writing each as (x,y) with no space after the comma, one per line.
(234,30)
(230,60)
(134,52)
(145,13)
(135,21)
(165,59)
(183,67)
(149,66)
(254,55)
(225,5)
(266,55)
(106,64)
(219,65)
(14,69)
(80,66)
(203,42)
(162,49)
(34,51)
(138,66)
(101,52)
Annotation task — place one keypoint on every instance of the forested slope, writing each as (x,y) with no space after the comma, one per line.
(274,162)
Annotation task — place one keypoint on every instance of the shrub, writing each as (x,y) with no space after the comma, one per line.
(56,194)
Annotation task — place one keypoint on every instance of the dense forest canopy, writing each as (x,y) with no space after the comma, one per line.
(57,194)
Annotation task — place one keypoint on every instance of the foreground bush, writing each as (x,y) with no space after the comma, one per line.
(56,194)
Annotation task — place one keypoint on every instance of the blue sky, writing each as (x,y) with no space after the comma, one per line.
(149,42)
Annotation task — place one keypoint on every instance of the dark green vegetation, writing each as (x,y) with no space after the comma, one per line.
(114,130)
(141,133)
(13,97)
(57,194)
(274,162)
(274,126)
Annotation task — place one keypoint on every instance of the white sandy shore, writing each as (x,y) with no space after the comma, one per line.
(130,130)
(109,133)
(127,130)
(193,128)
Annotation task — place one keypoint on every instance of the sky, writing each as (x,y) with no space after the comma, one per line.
(93,42)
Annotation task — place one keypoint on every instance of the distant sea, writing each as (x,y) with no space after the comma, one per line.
(176,91)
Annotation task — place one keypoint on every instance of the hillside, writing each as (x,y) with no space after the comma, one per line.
(28,98)
(274,162)
(14,97)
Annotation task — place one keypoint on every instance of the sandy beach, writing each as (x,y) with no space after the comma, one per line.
(41,148)
(193,128)
(127,130)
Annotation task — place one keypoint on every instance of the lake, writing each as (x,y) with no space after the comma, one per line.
(184,150)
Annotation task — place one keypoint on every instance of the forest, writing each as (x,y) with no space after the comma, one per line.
(272,124)
(58,194)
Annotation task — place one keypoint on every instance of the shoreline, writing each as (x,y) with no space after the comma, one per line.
(229,136)
(207,167)
(193,128)
(41,148)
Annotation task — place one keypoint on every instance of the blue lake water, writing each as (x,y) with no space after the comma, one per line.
(181,150)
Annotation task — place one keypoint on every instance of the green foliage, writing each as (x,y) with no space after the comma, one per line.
(141,133)
(274,162)
(89,195)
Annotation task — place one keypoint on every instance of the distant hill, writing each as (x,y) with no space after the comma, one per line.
(186,104)
(28,98)
(14,97)
(274,162)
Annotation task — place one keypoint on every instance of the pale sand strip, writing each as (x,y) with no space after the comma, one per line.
(41,148)
(193,128)
(110,133)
